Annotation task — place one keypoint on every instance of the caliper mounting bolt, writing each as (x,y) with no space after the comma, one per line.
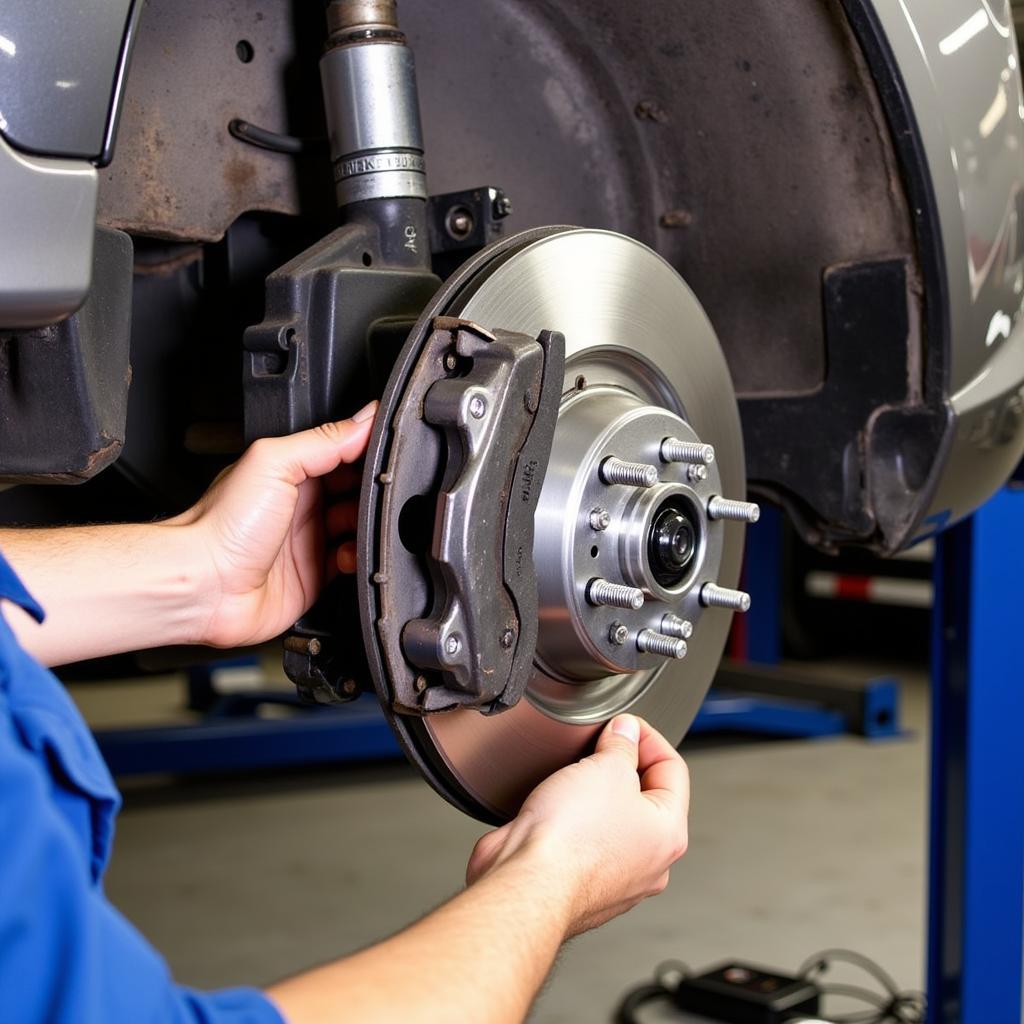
(672,625)
(714,596)
(740,511)
(618,634)
(477,407)
(614,595)
(696,472)
(633,474)
(507,639)
(452,644)
(674,450)
(600,519)
(451,361)
(657,643)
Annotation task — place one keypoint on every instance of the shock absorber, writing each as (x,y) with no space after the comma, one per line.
(373,125)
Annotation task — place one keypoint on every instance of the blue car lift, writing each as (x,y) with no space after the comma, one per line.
(976,889)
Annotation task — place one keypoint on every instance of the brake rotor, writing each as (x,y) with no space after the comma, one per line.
(642,365)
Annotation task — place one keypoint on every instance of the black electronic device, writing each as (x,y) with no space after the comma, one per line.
(742,993)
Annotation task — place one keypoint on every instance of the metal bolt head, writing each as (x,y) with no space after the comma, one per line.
(477,407)
(349,687)
(501,207)
(507,639)
(696,473)
(453,644)
(600,519)
(420,684)
(459,222)
(618,634)
(451,360)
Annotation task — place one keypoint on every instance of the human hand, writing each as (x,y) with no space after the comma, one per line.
(606,829)
(259,531)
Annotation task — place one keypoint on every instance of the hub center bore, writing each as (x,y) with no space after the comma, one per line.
(672,544)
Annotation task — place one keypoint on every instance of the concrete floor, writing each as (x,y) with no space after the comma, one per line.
(795,846)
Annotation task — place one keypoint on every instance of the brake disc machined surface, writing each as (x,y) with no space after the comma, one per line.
(635,546)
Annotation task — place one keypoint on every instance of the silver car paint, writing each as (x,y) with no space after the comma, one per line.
(48,226)
(959,64)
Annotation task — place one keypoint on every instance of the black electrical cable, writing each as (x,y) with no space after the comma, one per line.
(891,1006)
(666,977)
(637,997)
(276,142)
(895,1007)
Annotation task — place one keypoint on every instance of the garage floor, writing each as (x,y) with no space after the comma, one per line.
(795,846)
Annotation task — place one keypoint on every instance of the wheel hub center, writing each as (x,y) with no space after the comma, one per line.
(624,541)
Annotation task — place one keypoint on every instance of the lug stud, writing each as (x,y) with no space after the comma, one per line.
(614,595)
(599,519)
(672,625)
(674,450)
(696,473)
(633,474)
(657,643)
(740,511)
(618,634)
(714,596)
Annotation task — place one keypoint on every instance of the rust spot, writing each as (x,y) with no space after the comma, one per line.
(676,219)
(239,174)
(649,110)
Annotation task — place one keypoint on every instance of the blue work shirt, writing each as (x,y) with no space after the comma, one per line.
(66,954)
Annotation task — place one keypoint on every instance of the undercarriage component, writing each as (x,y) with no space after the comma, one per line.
(621,558)
(64,387)
(477,414)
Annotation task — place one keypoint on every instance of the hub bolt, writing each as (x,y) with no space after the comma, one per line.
(740,511)
(674,450)
(672,625)
(618,634)
(453,644)
(696,473)
(614,595)
(657,643)
(633,474)
(477,407)
(714,596)
(600,519)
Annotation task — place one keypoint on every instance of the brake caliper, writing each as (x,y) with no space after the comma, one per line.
(473,434)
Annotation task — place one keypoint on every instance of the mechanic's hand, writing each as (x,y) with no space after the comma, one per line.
(608,827)
(259,530)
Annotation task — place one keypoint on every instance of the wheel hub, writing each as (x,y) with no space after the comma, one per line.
(647,536)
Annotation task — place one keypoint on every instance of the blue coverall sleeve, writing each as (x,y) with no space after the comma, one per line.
(67,956)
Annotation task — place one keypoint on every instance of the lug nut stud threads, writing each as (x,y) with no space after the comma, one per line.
(714,596)
(674,450)
(740,511)
(633,474)
(657,643)
(614,595)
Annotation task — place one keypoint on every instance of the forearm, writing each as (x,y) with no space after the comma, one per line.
(481,957)
(105,589)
